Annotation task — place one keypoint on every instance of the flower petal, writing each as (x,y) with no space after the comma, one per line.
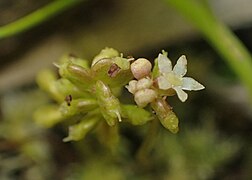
(181,94)
(180,67)
(164,64)
(191,84)
(163,83)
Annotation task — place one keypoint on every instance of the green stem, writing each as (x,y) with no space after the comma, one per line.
(148,143)
(36,17)
(220,37)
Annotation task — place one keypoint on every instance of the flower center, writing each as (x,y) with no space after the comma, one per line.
(174,80)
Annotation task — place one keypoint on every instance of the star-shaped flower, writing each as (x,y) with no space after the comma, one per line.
(173,78)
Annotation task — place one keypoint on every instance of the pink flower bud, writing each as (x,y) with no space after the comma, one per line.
(145,96)
(141,68)
(144,83)
(132,86)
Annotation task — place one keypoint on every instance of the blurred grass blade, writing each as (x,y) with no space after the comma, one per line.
(35,18)
(220,37)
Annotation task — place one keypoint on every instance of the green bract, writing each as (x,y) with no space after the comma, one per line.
(112,71)
(136,115)
(77,106)
(105,53)
(48,115)
(109,104)
(88,97)
(79,131)
(46,80)
(77,74)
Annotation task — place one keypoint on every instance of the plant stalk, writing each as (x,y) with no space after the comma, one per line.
(36,17)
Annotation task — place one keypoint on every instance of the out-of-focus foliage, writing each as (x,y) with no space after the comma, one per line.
(205,148)
(23,145)
(196,153)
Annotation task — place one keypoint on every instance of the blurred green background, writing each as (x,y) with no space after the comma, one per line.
(214,141)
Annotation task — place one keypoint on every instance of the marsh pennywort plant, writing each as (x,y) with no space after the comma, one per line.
(88,96)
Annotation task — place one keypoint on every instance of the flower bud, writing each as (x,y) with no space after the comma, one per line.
(74,59)
(141,68)
(78,106)
(105,53)
(114,72)
(79,76)
(144,83)
(48,115)
(132,86)
(109,104)
(144,97)
(66,87)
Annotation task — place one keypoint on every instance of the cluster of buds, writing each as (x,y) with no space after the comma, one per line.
(88,96)
(142,87)
(153,86)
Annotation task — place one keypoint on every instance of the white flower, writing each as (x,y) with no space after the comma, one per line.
(173,78)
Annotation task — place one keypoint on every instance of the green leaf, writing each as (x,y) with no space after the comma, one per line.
(48,115)
(113,71)
(123,63)
(45,80)
(79,76)
(59,89)
(65,87)
(105,54)
(77,106)
(75,60)
(80,130)
(136,115)
(155,71)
